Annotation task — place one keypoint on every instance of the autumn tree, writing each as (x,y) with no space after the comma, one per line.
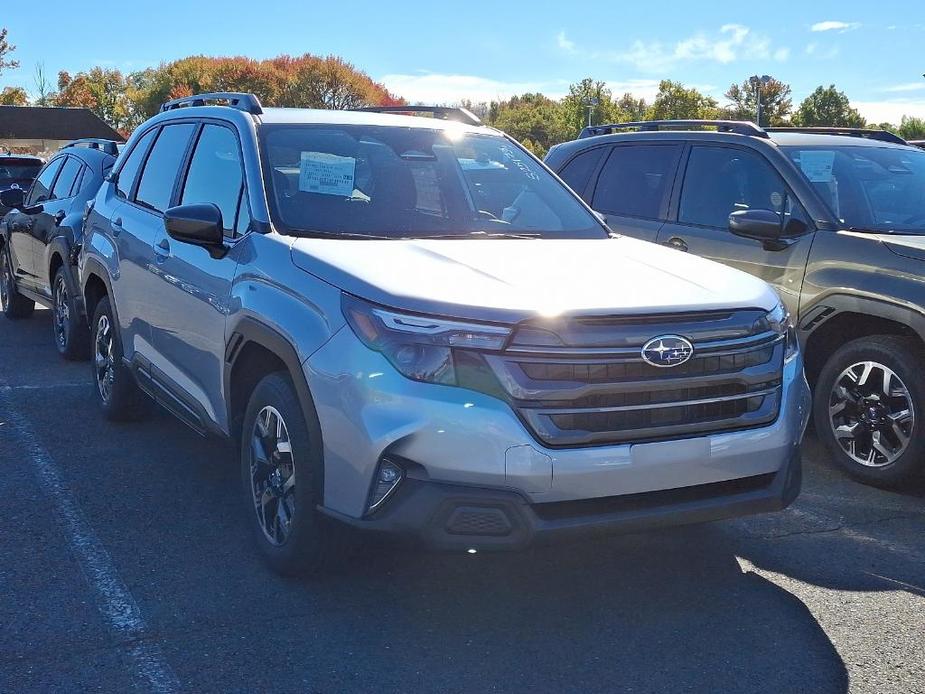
(827,107)
(6,49)
(14,96)
(101,90)
(776,103)
(675,101)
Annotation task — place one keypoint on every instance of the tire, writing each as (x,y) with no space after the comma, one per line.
(871,418)
(293,537)
(72,334)
(119,395)
(12,303)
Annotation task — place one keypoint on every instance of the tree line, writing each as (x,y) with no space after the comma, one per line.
(538,121)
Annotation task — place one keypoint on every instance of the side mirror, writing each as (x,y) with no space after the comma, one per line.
(762,225)
(199,224)
(13,197)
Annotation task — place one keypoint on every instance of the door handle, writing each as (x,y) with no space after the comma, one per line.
(162,250)
(677,243)
(116,226)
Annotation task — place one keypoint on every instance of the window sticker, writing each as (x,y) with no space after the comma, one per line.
(327,174)
(817,164)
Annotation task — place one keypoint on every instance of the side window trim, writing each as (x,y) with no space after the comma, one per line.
(130,194)
(51,186)
(665,205)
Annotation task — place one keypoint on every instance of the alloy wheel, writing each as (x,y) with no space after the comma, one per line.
(272,470)
(104,366)
(62,312)
(871,414)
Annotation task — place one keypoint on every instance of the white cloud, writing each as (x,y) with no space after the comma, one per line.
(890,111)
(833,25)
(435,88)
(564,43)
(731,43)
(906,87)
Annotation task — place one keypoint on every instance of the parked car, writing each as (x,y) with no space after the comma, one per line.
(41,236)
(17,171)
(411,327)
(833,218)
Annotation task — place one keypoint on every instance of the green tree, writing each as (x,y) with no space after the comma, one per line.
(912,128)
(533,119)
(6,49)
(828,107)
(14,96)
(587,94)
(776,103)
(675,101)
(632,108)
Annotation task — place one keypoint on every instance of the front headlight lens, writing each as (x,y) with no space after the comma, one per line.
(780,321)
(420,347)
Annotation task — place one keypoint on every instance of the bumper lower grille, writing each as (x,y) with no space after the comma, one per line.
(575,394)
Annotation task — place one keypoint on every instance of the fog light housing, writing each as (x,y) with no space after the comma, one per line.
(388,477)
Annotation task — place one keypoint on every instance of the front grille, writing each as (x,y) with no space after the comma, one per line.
(584,382)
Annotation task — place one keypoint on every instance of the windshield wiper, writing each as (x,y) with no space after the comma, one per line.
(477,235)
(322,234)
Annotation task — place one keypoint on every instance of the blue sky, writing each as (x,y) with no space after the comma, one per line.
(441,52)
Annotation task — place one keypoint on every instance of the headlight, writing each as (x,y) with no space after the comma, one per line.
(420,347)
(781,322)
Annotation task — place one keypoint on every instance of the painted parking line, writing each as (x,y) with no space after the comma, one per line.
(114,600)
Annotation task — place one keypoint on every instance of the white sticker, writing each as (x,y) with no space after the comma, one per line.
(817,164)
(327,174)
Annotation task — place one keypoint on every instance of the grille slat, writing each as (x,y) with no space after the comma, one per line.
(602,392)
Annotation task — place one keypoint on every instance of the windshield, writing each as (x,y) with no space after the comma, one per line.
(17,171)
(866,187)
(393,182)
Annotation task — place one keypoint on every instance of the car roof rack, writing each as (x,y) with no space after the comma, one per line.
(239,100)
(723,126)
(461,115)
(107,146)
(881,135)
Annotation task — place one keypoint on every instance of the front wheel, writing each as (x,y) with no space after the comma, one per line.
(119,395)
(281,474)
(869,409)
(72,335)
(12,303)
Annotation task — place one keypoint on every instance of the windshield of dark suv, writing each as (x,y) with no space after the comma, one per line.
(396,182)
(17,171)
(867,187)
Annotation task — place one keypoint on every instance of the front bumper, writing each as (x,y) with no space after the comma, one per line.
(460,438)
(452,517)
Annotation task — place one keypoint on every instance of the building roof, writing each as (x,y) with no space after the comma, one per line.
(47,123)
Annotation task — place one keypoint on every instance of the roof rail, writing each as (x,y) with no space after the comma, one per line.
(108,146)
(882,135)
(443,112)
(239,100)
(723,126)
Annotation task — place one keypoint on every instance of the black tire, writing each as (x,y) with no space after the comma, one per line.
(72,334)
(309,542)
(905,446)
(12,303)
(118,393)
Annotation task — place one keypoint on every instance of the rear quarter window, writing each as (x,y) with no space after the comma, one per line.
(577,172)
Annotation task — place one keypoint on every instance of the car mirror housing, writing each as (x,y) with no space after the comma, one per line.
(199,224)
(762,225)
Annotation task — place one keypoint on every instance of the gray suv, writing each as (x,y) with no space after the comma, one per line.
(413,328)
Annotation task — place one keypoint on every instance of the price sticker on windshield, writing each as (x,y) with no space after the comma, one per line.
(327,174)
(817,164)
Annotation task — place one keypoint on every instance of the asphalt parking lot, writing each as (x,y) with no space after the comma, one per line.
(126,564)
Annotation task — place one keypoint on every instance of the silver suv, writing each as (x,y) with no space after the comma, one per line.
(413,328)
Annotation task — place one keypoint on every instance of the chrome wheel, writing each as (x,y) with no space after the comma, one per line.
(871,413)
(272,471)
(62,312)
(104,366)
(4,281)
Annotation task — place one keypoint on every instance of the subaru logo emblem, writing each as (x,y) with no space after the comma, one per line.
(667,350)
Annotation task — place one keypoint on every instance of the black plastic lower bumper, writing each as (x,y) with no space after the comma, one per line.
(453,517)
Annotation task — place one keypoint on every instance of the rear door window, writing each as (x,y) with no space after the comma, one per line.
(215,173)
(132,165)
(636,180)
(68,176)
(41,187)
(155,187)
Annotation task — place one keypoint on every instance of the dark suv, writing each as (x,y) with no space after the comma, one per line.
(40,237)
(834,219)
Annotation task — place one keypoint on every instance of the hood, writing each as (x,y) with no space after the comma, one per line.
(909,246)
(511,279)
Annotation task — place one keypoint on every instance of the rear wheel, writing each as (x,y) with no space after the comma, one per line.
(280,468)
(119,395)
(869,409)
(12,303)
(72,335)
